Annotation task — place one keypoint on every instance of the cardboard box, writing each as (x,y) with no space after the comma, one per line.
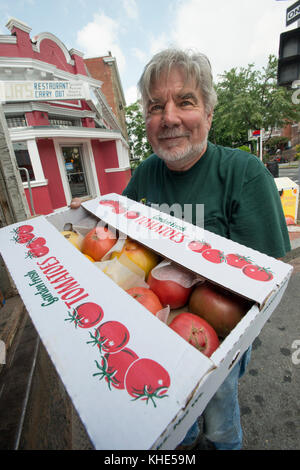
(57,282)
(289,195)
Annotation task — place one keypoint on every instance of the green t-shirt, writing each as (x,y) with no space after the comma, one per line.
(240,198)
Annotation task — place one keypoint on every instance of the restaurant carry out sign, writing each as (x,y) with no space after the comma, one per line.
(43,90)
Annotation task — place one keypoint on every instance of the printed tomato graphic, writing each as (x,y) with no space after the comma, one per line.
(257,272)
(147,380)
(116,206)
(36,242)
(23,229)
(86,315)
(199,246)
(23,237)
(114,367)
(37,251)
(213,255)
(131,214)
(237,261)
(110,337)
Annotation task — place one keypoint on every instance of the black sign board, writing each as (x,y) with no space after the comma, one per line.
(293,13)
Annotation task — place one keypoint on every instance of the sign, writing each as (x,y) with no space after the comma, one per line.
(256,132)
(293,13)
(42,90)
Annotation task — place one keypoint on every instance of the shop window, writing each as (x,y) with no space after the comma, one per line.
(16,121)
(23,160)
(64,122)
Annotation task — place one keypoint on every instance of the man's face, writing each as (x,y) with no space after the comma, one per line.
(177,124)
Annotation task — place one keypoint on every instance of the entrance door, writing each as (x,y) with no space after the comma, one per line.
(75,171)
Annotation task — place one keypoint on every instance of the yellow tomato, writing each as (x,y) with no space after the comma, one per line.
(73,238)
(138,254)
(90,258)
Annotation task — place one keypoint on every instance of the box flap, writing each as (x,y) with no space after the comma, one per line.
(68,298)
(184,243)
(285,183)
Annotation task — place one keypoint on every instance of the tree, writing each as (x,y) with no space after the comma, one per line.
(139,146)
(250,99)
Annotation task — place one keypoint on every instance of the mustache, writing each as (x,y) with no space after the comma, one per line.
(173,133)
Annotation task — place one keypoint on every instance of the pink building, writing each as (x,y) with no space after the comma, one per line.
(70,147)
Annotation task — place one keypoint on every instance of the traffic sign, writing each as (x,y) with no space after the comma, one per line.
(293,13)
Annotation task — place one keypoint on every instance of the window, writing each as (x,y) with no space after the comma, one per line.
(64,121)
(23,160)
(16,121)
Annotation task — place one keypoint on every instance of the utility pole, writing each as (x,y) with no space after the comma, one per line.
(13,203)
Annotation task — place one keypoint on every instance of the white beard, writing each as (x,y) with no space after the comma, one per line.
(184,155)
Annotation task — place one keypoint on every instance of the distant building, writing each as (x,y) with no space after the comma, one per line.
(105,69)
(70,147)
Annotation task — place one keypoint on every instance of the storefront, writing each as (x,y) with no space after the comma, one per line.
(69,147)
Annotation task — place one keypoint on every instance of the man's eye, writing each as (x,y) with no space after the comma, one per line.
(186,103)
(154,108)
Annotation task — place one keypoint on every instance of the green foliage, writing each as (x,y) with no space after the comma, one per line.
(139,146)
(245,148)
(250,99)
(276,142)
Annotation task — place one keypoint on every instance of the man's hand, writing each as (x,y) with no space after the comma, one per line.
(75,203)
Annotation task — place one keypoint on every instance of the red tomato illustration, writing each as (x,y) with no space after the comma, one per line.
(213,255)
(115,205)
(257,272)
(86,315)
(198,246)
(23,229)
(36,242)
(114,367)
(237,261)
(23,237)
(37,251)
(147,380)
(110,337)
(131,214)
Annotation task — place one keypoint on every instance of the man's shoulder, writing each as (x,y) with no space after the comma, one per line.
(236,157)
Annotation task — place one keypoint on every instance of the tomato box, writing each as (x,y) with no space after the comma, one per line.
(135,383)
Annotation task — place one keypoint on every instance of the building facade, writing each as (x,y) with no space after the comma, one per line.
(66,147)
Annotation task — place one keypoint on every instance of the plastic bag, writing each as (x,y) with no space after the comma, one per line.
(169,271)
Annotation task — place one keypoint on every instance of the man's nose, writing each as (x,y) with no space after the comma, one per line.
(171,115)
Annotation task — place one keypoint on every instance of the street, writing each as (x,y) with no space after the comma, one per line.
(292,173)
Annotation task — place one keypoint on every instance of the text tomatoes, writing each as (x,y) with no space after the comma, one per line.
(98,242)
(146,297)
(196,331)
(168,291)
(220,308)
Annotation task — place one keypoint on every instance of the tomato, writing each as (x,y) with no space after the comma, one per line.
(146,297)
(237,261)
(86,315)
(168,291)
(23,237)
(114,367)
(198,246)
(37,251)
(110,337)
(138,254)
(196,331)
(147,380)
(213,255)
(98,242)
(36,242)
(73,238)
(220,308)
(23,229)
(258,273)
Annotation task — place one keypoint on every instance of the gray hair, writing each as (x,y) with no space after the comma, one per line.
(194,64)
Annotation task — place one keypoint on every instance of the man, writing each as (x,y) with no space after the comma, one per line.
(240,198)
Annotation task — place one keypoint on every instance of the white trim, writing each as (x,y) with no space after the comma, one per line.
(15,23)
(35,160)
(7,39)
(115,170)
(76,52)
(40,37)
(36,184)
(23,107)
(77,133)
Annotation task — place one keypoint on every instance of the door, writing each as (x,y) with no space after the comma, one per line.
(75,170)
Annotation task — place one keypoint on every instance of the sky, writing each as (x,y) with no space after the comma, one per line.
(232,33)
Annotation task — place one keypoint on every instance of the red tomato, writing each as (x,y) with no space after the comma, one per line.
(36,242)
(24,229)
(23,237)
(237,261)
(213,255)
(169,292)
(114,367)
(257,272)
(110,337)
(37,251)
(147,380)
(146,297)
(98,242)
(86,315)
(220,308)
(198,246)
(196,331)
